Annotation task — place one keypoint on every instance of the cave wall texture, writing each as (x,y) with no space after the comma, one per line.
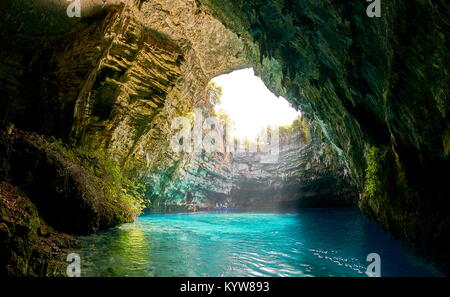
(308,173)
(113,80)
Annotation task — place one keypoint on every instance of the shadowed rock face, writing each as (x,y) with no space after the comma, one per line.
(114,79)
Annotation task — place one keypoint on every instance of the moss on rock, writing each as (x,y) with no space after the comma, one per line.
(376,162)
(28,245)
(74,191)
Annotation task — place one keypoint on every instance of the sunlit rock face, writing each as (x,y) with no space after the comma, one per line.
(115,78)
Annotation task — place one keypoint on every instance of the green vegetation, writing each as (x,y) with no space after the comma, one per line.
(214,92)
(375,159)
(298,124)
(123,194)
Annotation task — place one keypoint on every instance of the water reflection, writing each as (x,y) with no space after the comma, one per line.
(321,242)
(124,251)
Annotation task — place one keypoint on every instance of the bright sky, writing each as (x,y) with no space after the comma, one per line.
(250,105)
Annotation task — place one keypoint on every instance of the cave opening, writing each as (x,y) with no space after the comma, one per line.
(249,149)
(250,105)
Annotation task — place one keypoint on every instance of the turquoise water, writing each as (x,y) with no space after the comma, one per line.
(312,242)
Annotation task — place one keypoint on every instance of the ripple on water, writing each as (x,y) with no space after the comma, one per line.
(332,242)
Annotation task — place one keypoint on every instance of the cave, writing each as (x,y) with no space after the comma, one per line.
(96,108)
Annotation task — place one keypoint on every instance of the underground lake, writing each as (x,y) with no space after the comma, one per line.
(310,242)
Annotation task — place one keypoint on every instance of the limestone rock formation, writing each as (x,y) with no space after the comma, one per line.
(305,173)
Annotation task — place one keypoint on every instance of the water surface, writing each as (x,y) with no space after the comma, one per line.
(312,242)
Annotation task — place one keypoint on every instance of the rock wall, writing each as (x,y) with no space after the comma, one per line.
(308,173)
(114,80)
(305,173)
(46,199)
(69,197)
(28,245)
